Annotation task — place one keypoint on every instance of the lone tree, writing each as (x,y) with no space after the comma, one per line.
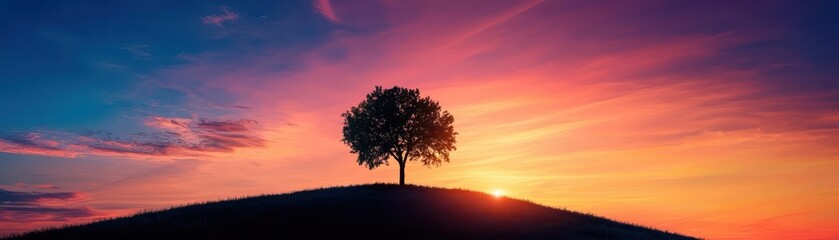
(397,123)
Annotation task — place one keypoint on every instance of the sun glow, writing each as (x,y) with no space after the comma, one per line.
(498,193)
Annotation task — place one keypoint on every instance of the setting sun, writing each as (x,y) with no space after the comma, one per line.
(498,193)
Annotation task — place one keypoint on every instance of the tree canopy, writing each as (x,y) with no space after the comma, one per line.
(398,123)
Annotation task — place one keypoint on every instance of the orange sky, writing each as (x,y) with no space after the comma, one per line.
(668,118)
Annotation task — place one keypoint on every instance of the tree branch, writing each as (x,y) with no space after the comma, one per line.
(395,157)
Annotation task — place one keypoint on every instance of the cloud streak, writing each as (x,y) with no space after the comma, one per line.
(34,144)
(40,206)
(139,52)
(324,7)
(177,137)
(30,214)
(218,20)
(28,198)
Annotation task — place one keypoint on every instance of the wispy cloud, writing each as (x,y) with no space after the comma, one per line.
(34,144)
(20,185)
(27,208)
(31,214)
(139,52)
(110,66)
(176,137)
(28,198)
(217,20)
(495,21)
(324,7)
(47,186)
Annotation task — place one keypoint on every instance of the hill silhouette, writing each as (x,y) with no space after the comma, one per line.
(377,211)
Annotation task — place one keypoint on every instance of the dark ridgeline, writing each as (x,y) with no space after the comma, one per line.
(378,211)
(397,123)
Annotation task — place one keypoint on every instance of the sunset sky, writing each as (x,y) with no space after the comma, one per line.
(712,119)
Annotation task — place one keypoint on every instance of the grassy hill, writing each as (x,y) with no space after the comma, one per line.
(378,211)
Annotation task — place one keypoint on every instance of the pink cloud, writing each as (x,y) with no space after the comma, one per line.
(47,186)
(34,144)
(22,210)
(181,137)
(219,19)
(12,197)
(324,7)
(185,137)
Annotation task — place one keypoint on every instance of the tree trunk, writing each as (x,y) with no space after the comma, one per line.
(401,173)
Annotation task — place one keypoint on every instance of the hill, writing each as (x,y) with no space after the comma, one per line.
(378,211)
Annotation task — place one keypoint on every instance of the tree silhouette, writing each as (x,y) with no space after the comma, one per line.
(397,123)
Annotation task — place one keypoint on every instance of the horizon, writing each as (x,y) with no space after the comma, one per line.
(707,118)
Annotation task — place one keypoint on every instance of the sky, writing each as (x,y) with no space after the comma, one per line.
(716,119)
